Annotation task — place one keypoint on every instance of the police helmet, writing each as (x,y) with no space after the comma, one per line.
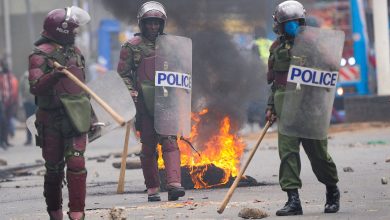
(152,9)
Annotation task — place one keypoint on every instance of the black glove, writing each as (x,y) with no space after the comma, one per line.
(134,95)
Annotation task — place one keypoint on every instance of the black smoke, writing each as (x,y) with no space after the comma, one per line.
(225,78)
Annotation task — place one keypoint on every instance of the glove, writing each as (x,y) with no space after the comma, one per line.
(58,74)
(134,95)
(57,71)
(270,114)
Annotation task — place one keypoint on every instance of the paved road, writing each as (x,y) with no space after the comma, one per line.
(364,148)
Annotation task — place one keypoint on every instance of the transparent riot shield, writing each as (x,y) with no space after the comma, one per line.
(111,89)
(173,84)
(30,123)
(311,83)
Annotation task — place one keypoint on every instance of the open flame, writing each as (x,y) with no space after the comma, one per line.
(223,150)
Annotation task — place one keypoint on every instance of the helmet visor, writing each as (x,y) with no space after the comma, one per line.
(151,6)
(77,15)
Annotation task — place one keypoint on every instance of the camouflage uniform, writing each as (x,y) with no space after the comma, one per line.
(137,68)
(322,164)
(288,17)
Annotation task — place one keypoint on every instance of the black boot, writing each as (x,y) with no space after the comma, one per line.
(332,204)
(174,192)
(292,206)
(154,197)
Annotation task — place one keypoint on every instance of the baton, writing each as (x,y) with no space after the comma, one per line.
(229,194)
(102,103)
(121,181)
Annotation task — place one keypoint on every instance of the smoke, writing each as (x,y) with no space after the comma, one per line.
(225,78)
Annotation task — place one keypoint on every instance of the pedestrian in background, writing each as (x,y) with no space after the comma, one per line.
(28,104)
(9,87)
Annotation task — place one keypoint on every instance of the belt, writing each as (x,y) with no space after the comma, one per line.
(59,110)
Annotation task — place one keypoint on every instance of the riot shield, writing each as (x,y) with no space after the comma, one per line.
(30,123)
(173,83)
(311,83)
(111,89)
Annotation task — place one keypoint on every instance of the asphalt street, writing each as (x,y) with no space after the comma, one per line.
(360,152)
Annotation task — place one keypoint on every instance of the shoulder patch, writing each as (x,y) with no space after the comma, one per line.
(46,48)
(135,40)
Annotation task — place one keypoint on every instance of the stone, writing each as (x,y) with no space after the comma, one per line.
(348,169)
(384,180)
(3,162)
(252,213)
(118,213)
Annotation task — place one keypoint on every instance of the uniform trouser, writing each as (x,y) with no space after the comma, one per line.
(290,166)
(149,156)
(60,148)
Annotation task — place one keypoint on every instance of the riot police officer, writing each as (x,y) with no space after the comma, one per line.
(288,17)
(137,68)
(64,112)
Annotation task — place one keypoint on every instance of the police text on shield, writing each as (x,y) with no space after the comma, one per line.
(173,79)
(312,77)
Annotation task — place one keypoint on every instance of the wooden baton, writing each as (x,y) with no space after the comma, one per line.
(229,194)
(121,181)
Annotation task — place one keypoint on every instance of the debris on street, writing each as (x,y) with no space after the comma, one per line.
(252,213)
(130,164)
(348,169)
(3,162)
(384,180)
(20,170)
(118,213)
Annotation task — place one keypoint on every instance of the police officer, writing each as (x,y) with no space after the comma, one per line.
(137,68)
(64,111)
(288,16)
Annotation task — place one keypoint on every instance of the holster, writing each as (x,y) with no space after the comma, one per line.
(39,137)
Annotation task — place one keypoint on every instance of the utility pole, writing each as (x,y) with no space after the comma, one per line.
(30,21)
(381,32)
(7,30)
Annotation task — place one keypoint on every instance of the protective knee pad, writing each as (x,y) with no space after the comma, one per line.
(74,155)
(169,143)
(75,163)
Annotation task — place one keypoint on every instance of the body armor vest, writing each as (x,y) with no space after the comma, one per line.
(65,93)
(75,64)
(282,57)
(144,58)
